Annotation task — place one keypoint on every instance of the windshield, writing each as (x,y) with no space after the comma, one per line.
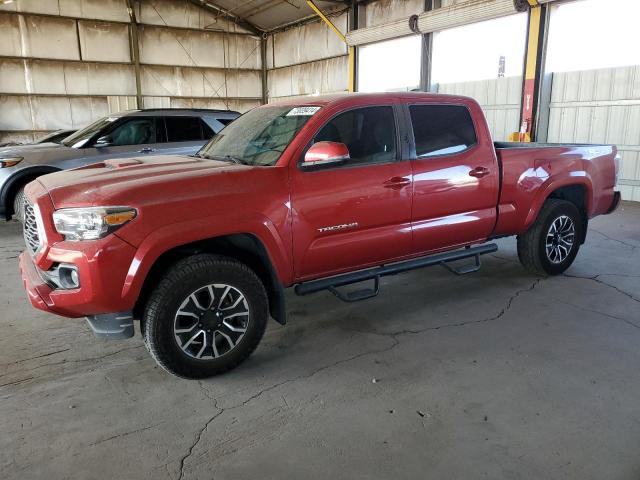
(78,139)
(260,136)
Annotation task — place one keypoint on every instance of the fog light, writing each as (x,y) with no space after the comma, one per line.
(69,277)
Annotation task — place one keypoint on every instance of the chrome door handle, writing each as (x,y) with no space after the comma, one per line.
(479,172)
(147,150)
(397,183)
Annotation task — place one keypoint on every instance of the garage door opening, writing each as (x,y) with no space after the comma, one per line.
(393,65)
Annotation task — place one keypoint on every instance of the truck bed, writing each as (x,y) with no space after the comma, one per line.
(531,171)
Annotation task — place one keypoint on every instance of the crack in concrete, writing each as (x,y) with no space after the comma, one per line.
(632,246)
(125,434)
(34,358)
(198,437)
(65,361)
(394,344)
(221,410)
(602,282)
(585,309)
(501,313)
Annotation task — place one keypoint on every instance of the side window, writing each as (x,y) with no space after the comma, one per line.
(134,132)
(369,133)
(183,129)
(441,129)
(207,131)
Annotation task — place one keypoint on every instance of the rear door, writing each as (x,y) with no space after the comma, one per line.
(456,177)
(185,135)
(355,214)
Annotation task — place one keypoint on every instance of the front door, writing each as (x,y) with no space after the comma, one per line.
(356,214)
(455,177)
(134,136)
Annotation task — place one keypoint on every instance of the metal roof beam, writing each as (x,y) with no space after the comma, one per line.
(212,7)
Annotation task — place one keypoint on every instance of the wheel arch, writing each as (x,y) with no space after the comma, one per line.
(576,194)
(18,180)
(244,247)
(577,191)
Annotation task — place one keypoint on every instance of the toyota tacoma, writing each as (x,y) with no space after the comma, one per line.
(314,194)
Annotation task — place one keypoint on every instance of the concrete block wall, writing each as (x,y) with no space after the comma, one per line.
(65,63)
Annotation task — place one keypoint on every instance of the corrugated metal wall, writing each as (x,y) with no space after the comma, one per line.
(65,63)
(499,98)
(306,60)
(601,106)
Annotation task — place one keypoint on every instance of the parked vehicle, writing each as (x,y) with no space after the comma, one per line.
(55,137)
(316,194)
(122,135)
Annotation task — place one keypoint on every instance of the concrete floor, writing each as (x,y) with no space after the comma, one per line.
(493,375)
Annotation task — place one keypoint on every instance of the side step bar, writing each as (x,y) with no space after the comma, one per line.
(331,283)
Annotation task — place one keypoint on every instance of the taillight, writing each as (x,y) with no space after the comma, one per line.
(617,161)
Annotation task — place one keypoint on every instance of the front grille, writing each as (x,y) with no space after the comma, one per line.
(30,228)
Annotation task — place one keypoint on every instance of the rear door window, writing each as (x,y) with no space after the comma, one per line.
(207,131)
(441,129)
(184,129)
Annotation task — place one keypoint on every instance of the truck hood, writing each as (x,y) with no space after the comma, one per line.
(135,181)
(41,153)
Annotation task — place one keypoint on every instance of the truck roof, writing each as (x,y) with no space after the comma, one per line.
(373,97)
(172,112)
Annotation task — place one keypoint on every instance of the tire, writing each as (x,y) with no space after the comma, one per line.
(554,258)
(181,299)
(18,205)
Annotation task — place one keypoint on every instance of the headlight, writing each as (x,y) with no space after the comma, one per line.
(9,162)
(91,223)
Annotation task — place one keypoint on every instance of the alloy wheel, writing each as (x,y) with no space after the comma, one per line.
(560,239)
(211,321)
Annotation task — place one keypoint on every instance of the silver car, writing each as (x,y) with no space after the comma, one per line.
(127,134)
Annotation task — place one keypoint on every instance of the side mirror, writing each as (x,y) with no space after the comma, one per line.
(103,141)
(325,154)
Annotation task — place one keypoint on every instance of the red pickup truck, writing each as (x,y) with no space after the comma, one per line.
(316,193)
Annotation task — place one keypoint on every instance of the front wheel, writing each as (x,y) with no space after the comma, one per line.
(18,205)
(206,316)
(551,244)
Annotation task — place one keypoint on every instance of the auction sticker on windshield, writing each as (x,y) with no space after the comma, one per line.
(302,111)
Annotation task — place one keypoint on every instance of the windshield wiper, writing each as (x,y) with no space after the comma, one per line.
(227,158)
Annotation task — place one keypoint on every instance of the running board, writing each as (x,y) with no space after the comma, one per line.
(442,259)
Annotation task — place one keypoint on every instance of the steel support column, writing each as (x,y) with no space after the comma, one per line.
(427,50)
(135,51)
(263,60)
(533,71)
(354,19)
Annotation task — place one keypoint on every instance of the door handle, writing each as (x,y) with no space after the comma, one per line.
(147,150)
(397,183)
(479,172)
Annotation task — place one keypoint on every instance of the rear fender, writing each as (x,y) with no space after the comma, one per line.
(580,178)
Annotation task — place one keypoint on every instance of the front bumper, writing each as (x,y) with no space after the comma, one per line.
(102,267)
(43,297)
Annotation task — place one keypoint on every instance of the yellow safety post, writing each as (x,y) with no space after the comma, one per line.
(352,57)
(531,70)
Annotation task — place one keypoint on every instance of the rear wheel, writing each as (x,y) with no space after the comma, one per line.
(206,316)
(18,205)
(551,244)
